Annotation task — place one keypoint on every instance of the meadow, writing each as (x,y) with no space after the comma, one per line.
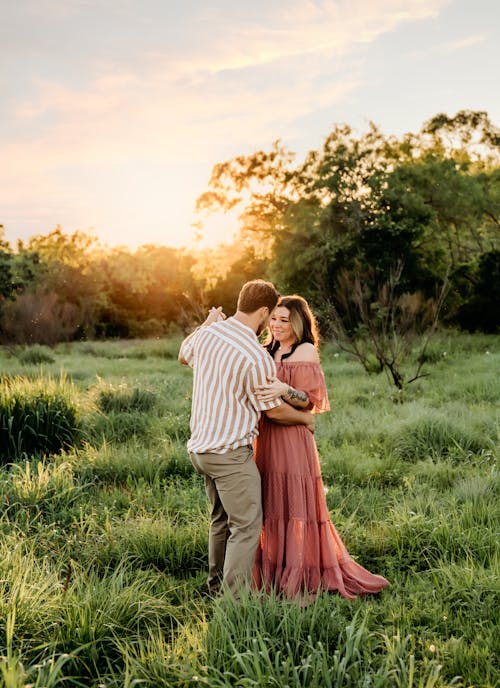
(103,546)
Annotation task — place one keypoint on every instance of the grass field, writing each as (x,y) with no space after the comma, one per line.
(103,547)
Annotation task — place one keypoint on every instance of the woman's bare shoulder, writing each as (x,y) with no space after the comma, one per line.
(306,352)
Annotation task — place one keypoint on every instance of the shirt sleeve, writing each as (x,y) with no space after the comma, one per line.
(260,374)
(187,347)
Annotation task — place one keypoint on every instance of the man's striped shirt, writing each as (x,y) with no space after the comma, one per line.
(228,364)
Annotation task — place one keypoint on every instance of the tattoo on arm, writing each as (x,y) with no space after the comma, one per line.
(296,394)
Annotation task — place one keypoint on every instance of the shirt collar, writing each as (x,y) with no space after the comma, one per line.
(238,323)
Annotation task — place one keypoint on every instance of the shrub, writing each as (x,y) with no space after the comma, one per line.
(40,317)
(37,418)
(148,328)
(35,354)
(481,311)
(125,399)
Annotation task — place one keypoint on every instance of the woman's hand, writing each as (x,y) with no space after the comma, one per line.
(214,315)
(270,392)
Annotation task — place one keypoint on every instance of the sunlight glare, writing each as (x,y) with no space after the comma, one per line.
(220,228)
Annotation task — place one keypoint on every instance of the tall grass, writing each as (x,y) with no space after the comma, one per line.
(37,417)
(103,545)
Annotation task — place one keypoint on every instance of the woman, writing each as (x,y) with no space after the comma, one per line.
(300,551)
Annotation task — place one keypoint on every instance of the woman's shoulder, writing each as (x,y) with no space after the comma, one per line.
(306,353)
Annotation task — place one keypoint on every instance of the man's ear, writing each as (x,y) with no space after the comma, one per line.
(264,313)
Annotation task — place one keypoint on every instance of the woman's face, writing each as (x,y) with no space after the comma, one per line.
(280,326)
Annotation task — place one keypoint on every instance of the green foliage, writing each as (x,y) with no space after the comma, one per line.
(179,550)
(125,399)
(117,426)
(480,311)
(5,272)
(322,645)
(65,287)
(431,200)
(40,487)
(119,464)
(436,435)
(37,418)
(48,672)
(36,354)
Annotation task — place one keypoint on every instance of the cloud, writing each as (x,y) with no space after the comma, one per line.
(273,72)
(463,43)
(301,28)
(451,47)
(230,85)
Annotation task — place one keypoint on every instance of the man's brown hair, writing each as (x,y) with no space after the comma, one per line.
(256,294)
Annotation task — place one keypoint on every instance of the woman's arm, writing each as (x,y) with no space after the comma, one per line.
(276,389)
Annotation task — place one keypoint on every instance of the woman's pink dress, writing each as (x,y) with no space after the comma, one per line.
(300,551)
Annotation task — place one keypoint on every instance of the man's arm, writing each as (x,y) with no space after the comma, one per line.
(186,347)
(184,344)
(284,414)
(214,315)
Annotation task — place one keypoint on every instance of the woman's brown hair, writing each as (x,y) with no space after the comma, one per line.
(302,321)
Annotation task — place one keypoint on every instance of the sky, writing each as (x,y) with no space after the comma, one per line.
(114,112)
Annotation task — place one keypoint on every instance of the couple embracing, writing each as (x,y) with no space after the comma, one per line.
(252,438)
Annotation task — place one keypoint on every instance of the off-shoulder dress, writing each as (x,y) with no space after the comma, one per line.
(300,551)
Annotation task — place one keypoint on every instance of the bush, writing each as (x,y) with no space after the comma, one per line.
(125,399)
(39,317)
(35,354)
(148,328)
(36,418)
(481,312)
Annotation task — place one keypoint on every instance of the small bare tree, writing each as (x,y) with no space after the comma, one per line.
(385,326)
(193,310)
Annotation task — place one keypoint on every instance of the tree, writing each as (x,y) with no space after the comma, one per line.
(431,198)
(386,326)
(66,265)
(5,267)
(480,311)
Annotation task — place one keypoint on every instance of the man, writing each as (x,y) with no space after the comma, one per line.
(229,363)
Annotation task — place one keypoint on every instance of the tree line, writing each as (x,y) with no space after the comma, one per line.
(336,227)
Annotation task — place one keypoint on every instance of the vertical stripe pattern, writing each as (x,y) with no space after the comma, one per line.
(228,362)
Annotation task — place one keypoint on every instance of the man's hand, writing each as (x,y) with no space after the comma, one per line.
(273,390)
